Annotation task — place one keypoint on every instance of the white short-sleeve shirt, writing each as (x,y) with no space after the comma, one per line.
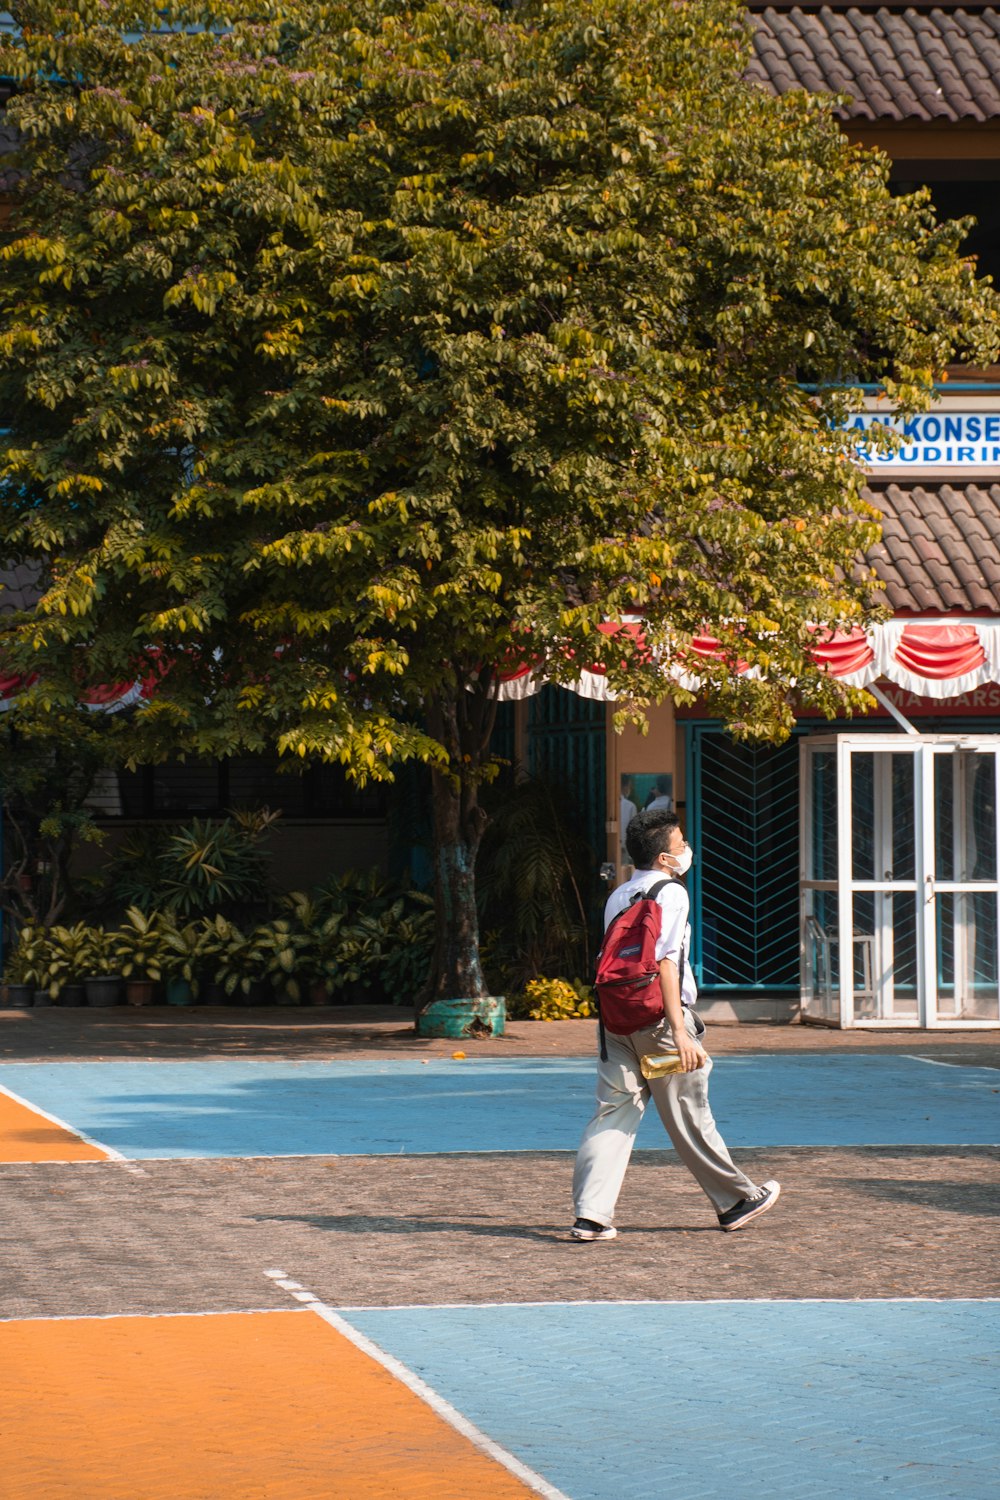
(675,932)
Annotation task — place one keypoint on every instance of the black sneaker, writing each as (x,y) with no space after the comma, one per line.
(748,1208)
(589,1229)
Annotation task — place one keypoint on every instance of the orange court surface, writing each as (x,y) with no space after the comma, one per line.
(259,1406)
(28,1135)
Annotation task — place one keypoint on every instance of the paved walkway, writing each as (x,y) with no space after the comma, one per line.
(298,1254)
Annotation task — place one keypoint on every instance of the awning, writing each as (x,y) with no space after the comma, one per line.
(932,658)
(108,698)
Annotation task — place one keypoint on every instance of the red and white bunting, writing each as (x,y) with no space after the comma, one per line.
(932,658)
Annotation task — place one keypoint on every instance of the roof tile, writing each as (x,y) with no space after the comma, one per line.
(911,65)
(940,547)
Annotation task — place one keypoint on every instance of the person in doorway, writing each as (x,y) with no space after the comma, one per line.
(661,797)
(627,811)
(659,851)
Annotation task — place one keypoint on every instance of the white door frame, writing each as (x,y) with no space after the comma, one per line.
(921,884)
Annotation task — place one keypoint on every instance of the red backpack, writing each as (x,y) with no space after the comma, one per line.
(628,972)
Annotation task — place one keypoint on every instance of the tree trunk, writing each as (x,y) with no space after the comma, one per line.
(456,973)
(462,724)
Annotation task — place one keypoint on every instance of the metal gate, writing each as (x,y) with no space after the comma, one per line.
(743,824)
(566,744)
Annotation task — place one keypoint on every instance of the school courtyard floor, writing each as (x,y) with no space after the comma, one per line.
(258,1254)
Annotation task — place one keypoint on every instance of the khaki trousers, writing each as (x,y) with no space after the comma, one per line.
(682,1102)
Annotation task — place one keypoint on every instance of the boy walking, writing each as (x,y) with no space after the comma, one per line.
(659,852)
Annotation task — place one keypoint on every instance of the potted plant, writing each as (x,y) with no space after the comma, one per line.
(102,985)
(235,969)
(214,938)
(179,961)
(318,941)
(357,965)
(69,948)
(25,969)
(407,946)
(138,947)
(273,951)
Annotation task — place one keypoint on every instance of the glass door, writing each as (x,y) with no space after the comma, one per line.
(883,984)
(961,884)
(899,880)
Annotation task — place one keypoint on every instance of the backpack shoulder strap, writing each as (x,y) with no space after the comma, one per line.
(651,894)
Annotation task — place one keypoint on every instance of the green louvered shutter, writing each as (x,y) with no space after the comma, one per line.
(744,823)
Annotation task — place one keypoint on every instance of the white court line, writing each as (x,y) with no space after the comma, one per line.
(81,1135)
(935,1062)
(547,1151)
(427,1394)
(256,1312)
(661,1302)
(439,1405)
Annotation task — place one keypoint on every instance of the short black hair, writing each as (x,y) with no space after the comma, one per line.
(648,835)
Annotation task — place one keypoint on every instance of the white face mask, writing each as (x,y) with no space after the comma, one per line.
(682,861)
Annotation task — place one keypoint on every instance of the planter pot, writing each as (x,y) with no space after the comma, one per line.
(19,996)
(72,994)
(318,993)
(179,992)
(103,990)
(42,999)
(140,991)
(463,1018)
(210,992)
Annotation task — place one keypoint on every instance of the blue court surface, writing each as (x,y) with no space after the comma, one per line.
(275,1108)
(792,1400)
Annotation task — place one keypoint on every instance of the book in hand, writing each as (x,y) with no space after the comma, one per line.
(660,1064)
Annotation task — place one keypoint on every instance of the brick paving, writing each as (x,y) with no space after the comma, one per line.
(198,1235)
(165,1031)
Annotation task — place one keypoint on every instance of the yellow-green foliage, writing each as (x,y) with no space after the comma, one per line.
(557,1000)
(349,350)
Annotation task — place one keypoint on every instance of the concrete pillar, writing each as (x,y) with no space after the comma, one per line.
(643,757)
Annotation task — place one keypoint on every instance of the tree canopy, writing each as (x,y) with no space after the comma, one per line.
(349,351)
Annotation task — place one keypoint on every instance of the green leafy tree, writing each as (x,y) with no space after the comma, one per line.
(46,778)
(351,351)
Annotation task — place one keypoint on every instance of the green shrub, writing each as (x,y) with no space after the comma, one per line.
(207,866)
(361,929)
(552,1000)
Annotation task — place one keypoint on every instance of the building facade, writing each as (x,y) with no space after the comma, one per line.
(860,838)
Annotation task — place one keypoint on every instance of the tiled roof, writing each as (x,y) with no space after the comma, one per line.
(896,65)
(18,586)
(940,548)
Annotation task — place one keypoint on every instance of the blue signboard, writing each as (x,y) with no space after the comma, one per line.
(941,439)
